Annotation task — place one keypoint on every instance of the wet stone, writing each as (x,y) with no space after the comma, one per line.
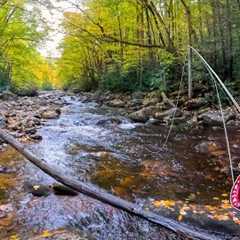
(60,189)
(116,103)
(214,118)
(36,137)
(111,121)
(39,190)
(51,114)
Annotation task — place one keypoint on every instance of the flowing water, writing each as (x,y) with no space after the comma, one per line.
(97,144)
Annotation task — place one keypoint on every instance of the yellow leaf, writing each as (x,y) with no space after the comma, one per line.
(14,237)
(157,203)
(164,203)
(46,234)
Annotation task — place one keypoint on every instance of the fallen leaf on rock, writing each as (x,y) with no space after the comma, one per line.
(46,234)
(14,237)
(164,203)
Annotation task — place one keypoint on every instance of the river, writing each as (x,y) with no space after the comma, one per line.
(98,145)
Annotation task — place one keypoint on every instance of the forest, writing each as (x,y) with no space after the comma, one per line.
(119,119)
(120,45)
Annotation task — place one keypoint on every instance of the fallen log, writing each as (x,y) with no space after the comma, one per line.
(93,192)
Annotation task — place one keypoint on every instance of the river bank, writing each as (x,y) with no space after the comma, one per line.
(22,116)
(157,108)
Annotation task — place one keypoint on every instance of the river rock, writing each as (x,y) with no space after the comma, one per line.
(196,103)
(118,103)
(14,125)
(39,190)
(60,189)
(143,115)
(5,211)
(51,113)
(31,131)
(36,137)
(209,147)
(214,118)
(6,208)
(168,113)
(107,121)
(135,104)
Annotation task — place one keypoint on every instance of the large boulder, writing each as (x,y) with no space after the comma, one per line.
(214,118)
(143,115)
(118,103)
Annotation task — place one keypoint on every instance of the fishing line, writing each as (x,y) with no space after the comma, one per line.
(224,126)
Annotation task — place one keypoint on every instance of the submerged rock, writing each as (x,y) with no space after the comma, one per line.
(209,147)
(157,168)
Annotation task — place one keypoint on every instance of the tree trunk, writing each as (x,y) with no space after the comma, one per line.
(230,41)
